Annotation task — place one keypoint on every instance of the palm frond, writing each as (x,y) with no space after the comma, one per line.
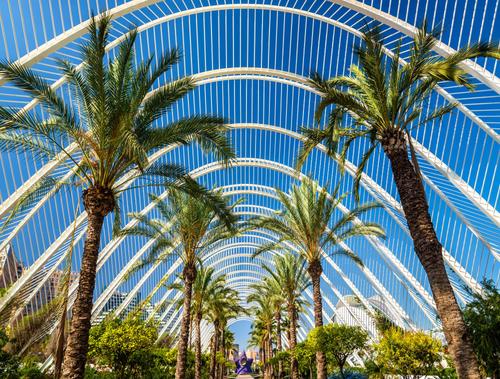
(349,254)
(25,79)
(360,169)
(33,195)
(162,99)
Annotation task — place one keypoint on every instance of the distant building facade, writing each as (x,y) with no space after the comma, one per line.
(116,299)
(11,268)
(49,291)
(253,354)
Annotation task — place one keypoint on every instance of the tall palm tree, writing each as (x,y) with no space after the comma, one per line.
(386,101)
(222,306)
(205,287)
(289,274)
(111,126)
(304,221)
(193,223)
(273,291)
(262,326)
(227,341)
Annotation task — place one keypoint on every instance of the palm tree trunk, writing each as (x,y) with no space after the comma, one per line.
(269,354)
(190,333)
(265,359)
(197,347)
(315,269)
(279,343)
(294,366)
(213,353)
(189,275)
(60,339)
(98,203)
(429,252)
(223,348)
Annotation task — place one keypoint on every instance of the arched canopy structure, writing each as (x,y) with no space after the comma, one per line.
(251,60)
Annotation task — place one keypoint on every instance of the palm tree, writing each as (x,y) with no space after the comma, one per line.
(385,101)
(289,274)
(227,341)
(193,223)
(222,306)
(303,221)
(273,291)
(111,126)
(205,287)
(264,314)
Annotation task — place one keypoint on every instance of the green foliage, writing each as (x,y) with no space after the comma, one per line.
(280,356)
(383,98)
(348,374)
(12,367)
(338,342)
(9,365)
(111,119)
(405,353)
(31,329)
(122,345)
(288,279)
(126,349)
(482,317)
(30,369)
(92,373)
(306,220)
(383,323)
(192,222)
(306,359)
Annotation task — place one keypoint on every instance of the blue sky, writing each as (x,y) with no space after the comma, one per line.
(241,330)
(291,43)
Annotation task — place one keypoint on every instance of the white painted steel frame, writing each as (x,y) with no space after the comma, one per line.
(106,295)
(301,82)
(481,203)
(79,30)
(215,75)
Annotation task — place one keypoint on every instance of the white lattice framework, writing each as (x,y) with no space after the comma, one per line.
(250,60)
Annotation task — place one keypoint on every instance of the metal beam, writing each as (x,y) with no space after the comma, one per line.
(106,295)
(441,48)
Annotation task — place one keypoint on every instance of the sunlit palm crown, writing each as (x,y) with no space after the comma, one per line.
(249,64)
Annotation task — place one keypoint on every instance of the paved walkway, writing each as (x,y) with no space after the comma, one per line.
(244,377)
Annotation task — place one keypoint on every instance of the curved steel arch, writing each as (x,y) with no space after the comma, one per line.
(105,253)
(176,265)
(301,82)
(221,250)
(372,278)
(79,30)
(288,171)
(393,22)
(366,182)
(308,293)
(470,193)
(328,302)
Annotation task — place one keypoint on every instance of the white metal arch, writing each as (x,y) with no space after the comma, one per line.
(222,250)
(367,183)
(307,293)
(247,244)
(291,172)
(301,82)
(475,198)
(105,296)
(79,30)
(397,309)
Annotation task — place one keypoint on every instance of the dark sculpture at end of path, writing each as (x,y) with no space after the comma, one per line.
(243,364)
